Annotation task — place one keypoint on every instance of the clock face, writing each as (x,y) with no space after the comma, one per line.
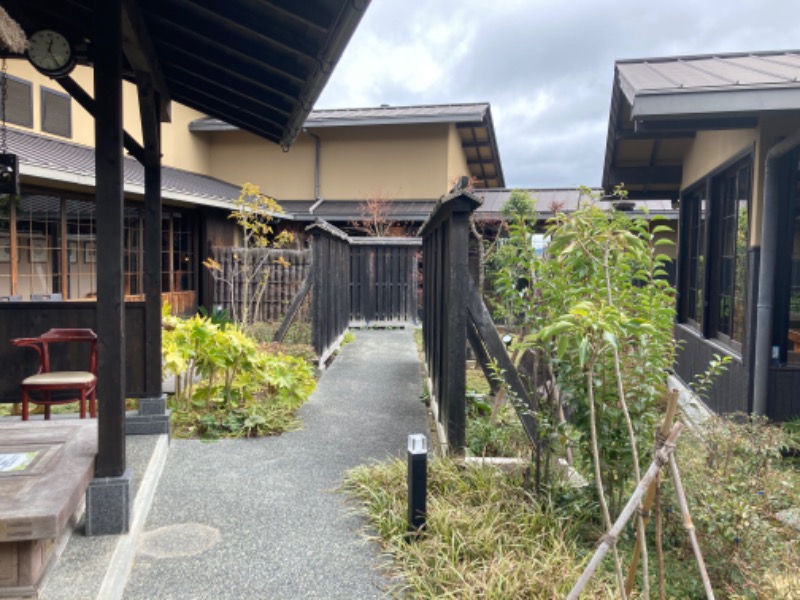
(50,52)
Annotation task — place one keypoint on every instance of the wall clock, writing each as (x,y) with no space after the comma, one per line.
(51,53)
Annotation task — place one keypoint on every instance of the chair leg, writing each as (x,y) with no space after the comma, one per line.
(93,403)
(82,403)
(25,401)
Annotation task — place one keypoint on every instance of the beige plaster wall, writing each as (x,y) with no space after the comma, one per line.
(456,158)
(241,157)
(179,146)
(396,162)
(710,149)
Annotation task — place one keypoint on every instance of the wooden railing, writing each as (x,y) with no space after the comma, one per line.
(454,315)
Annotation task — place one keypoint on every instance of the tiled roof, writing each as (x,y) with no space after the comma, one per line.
(38,151)
(379,115)
(350,210)
(551,200)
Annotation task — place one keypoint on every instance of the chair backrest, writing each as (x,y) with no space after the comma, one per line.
(56,336)
(14,298)
(47,297)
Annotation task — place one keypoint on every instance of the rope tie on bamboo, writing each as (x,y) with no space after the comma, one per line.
(662,456)
(609,538)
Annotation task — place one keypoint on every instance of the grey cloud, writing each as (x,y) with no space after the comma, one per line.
(566,49)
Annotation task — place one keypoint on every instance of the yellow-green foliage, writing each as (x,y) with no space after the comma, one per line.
(225,385)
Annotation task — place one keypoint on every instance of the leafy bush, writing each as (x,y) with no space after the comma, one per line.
(226,385)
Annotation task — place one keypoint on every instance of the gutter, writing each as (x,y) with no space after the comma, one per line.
(317,153)
(766,276)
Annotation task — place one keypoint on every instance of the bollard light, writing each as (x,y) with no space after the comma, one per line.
(417,481)
(507,340)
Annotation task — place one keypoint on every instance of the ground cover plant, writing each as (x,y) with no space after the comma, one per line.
(593,316)
(227,385)
(490,536)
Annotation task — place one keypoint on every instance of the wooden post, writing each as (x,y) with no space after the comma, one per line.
(149,108)
(110,213)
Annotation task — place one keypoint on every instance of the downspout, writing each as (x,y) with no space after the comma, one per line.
(317,151)
(766,277)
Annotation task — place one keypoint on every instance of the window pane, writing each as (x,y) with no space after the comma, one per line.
(81,250)
(38,219)
(734,192)
(5,246)
(696,228)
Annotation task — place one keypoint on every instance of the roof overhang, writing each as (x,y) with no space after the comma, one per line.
(257,65)
(659,105)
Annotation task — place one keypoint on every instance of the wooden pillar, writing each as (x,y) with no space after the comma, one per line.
(151,133)
(107,45)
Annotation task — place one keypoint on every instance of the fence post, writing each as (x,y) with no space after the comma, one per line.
(445,291)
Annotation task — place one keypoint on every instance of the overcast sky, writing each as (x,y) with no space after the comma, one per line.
(546,66)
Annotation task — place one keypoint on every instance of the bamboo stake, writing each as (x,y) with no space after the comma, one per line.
(689,526)
(666,426)
(608,541)
(662,583)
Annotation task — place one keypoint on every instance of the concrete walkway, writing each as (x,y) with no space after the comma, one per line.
(262,518)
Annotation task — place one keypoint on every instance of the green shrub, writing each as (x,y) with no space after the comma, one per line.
(226,385)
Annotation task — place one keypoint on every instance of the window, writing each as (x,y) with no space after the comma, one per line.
(787,275)
(695,216)
(19,101)
(714,258)
(177,251)
(56,113)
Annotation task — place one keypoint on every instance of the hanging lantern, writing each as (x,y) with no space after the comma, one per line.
(9,174)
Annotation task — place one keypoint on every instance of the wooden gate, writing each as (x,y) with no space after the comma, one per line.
(383,281)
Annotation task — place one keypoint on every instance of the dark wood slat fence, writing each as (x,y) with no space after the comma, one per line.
(454,314)
(383,280)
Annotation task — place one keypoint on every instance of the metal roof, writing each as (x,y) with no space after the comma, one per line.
(552,200)
(659,104)
(473,120)
(257,65)
(46,158)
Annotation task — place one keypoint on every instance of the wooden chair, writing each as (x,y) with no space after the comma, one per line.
(46,382)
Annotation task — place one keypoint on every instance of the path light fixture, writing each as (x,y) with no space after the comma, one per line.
(507,339)
(417,482)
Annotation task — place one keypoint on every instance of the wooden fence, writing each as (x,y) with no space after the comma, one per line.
(285,270)
(383,280)
(454,314)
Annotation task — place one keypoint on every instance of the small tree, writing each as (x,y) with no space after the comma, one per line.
(255,212)
(375,216)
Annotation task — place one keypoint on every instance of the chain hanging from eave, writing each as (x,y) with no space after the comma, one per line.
(4,106)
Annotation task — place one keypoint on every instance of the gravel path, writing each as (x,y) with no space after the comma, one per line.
(262,518)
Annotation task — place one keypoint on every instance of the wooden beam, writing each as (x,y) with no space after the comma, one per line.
(488,336)
(294,307)
(706,123)
(110,230)
(630,134)
(140,52)
(82,97)
(646,175)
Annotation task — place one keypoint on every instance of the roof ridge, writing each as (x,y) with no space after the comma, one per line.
(688,57)
(399,107)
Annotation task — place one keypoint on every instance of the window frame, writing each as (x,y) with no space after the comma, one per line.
(29,86)
(43,91)
(710,184)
